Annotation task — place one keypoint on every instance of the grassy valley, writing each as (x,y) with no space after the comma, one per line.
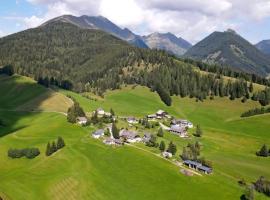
(88,169)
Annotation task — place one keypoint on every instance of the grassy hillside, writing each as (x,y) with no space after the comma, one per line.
(22,93)
(87,169)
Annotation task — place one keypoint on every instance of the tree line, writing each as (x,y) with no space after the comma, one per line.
(55,146)
(29,153)
(226,71)
(256,111)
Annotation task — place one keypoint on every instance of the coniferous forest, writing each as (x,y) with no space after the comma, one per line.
(77,59)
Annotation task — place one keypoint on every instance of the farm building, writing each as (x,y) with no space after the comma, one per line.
(161,113)
(146,137)
(118,142)
(100,111)
(109,141)
(130,136)
(152,117)
(178,130)
(182,122)
(166,154)
(81,120)
(132,120)
(198,166)
(98,133)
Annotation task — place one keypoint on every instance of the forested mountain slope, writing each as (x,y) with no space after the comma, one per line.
(102,23)
(60,53)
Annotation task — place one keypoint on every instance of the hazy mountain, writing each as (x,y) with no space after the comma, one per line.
(167,42)
(229,48)
(102,23)
(264,46)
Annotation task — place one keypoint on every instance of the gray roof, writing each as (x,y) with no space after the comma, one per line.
(198,165)
(98,132)
(82,118)
(127,133)
(177,129)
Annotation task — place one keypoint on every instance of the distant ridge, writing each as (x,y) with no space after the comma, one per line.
(230,49)
(264,46)
(168,42)
(101,23)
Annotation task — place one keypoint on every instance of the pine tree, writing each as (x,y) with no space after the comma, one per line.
(48,149)
(60,143)
(198,132)
(53,147)
(162,146)
(185,154)
(172,148)
(112,112)
(250,87)
(115,131)
(160,132)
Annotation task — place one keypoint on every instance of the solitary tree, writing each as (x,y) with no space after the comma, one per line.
(198,132)
(251,87)
(112,112)
(249,192)
(263,151)
(172,148)
(115,131)
(160,132)
(162,146)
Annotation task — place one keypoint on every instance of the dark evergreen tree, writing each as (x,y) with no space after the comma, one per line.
(264,151)
(198,132)
(115,131)
(53,147)
(160,132)
(48,149)
(162,146)
(60,143)
(172,148)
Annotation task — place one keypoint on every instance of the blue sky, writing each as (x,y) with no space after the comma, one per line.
(192,20)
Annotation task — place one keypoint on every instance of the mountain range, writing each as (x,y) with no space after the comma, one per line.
(101,23)
(167,42)
(230,49)
(225,48)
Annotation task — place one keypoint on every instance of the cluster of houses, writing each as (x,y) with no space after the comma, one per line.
(128,136)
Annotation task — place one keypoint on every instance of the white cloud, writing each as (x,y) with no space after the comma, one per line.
(191,19)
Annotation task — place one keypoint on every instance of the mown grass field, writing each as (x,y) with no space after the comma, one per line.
(87,169)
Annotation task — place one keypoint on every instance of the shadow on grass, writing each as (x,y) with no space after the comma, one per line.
(16,91)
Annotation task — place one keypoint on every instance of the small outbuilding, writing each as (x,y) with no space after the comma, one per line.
(98,133)
(81,120)
(166,154)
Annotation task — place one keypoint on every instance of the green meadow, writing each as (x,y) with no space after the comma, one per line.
(87,169)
